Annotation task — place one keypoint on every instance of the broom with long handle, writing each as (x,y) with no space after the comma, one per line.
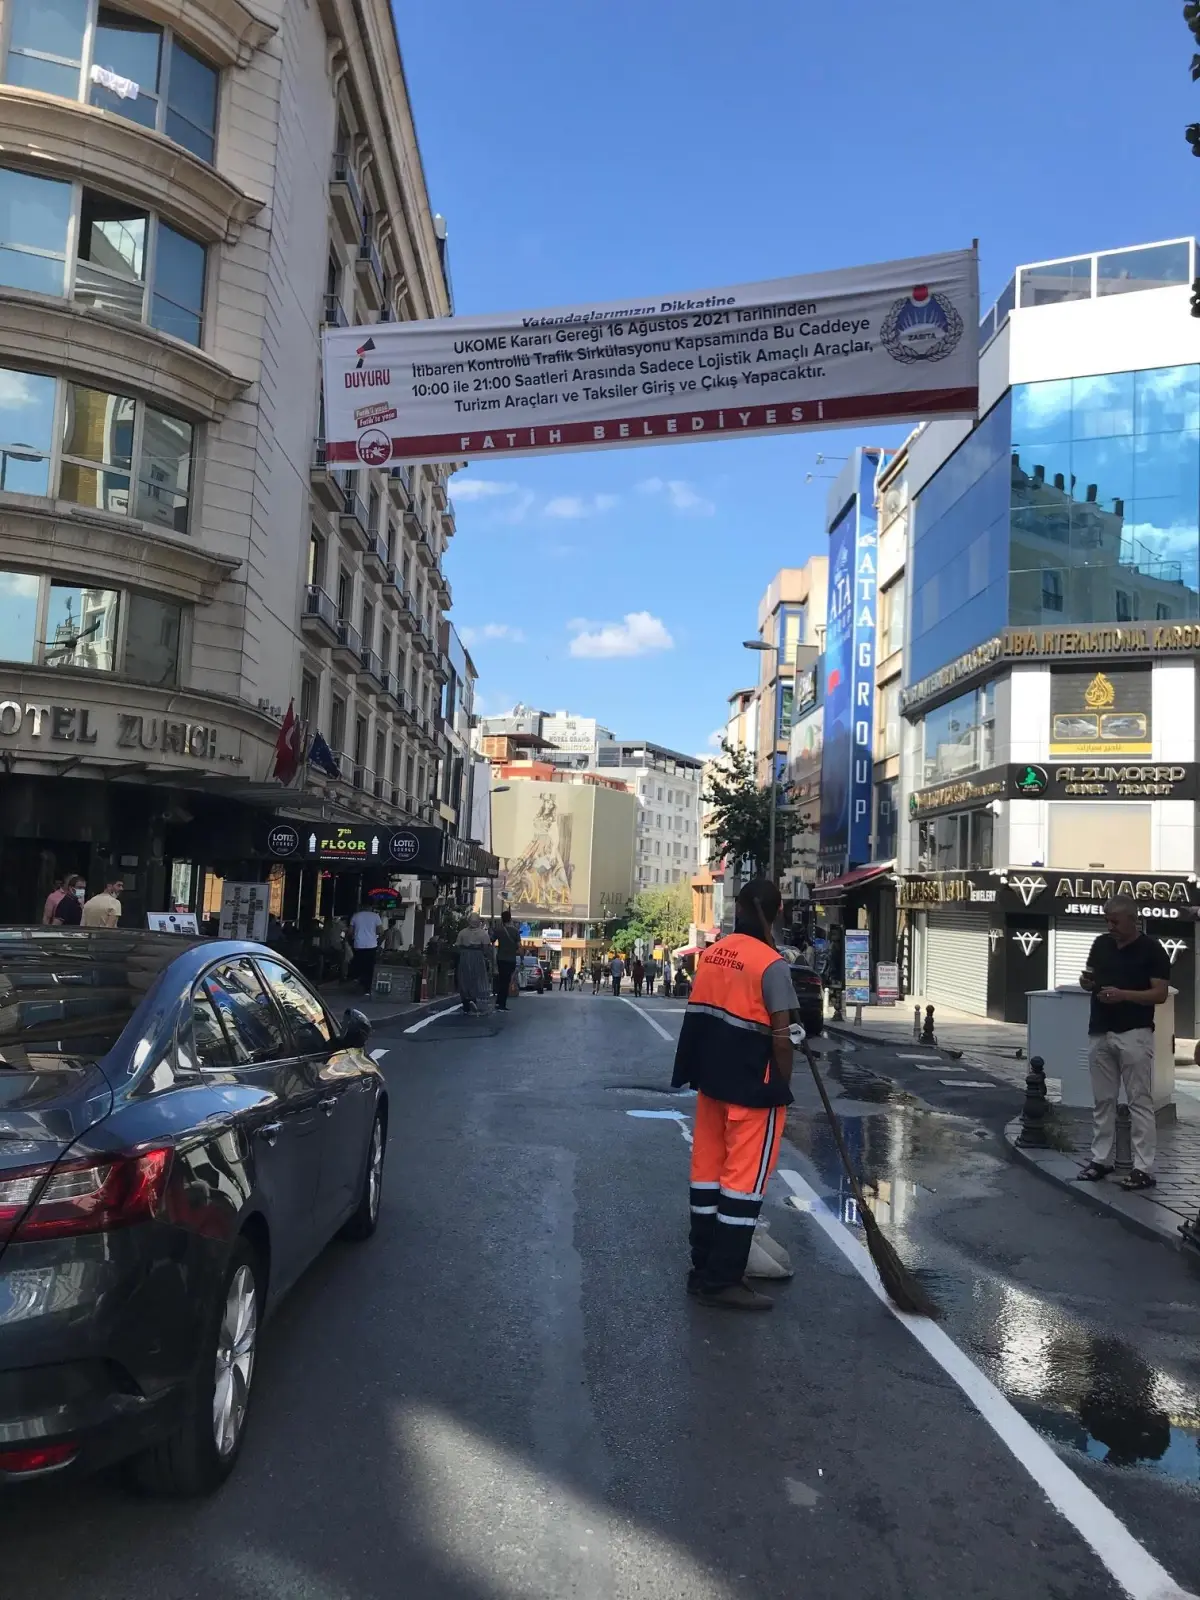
(901,1288)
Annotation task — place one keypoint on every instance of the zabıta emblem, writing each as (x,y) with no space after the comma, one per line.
(924,327)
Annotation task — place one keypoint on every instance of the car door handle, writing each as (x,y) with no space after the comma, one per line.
(328,1104)
(270,1131)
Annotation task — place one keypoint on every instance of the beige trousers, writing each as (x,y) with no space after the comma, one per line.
(1115,1059)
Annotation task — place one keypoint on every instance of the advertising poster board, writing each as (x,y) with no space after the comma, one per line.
(171,922)
(887,983)
(244,910)
(858,967)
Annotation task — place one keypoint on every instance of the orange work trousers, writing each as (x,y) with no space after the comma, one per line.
(734,1151)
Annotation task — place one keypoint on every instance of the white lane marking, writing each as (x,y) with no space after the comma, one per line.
(968,1083)
(646,1018)
(799,1494)
(677,1117)
(432,1017)
(940,1066)
(925,1057)
(1133,1567)
(378,1055)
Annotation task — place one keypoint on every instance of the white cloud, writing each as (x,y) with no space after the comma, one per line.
(715,737)
(640,634)
(491,631)
(680,495)
(464,489)
(23,585)
(574,506)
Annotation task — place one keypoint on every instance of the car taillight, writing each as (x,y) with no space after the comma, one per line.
(37,1457)
(83,1196)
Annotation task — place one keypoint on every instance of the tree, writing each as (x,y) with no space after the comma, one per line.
(656,916)
(741,815)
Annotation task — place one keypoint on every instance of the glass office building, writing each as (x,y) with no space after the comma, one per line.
(1050,711)
(1075,499)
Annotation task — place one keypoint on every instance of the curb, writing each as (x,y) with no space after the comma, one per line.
(874,1039)
(1060,1170)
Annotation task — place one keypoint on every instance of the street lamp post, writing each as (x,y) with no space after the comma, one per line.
(763,647)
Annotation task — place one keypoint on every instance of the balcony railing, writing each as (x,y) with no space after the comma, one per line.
(345,193)
(320,608)
(109,291)
(1091,277)
(371,664)
(353,517)
(369,269)
(335,312)
(376,556)
(349,638)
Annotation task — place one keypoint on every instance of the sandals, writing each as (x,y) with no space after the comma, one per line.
(1138,1179)
(1093,1172)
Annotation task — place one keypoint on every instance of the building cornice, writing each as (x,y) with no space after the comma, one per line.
(65,137)
(55,536)
(127,357)
(226,31)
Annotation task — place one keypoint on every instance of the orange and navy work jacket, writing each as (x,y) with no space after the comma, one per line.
(724,1047)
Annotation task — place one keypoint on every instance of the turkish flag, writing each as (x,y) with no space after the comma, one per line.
(287,747)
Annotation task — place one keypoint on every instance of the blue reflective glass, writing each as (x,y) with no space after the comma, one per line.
(1125,271)
(54,27)
(1102,406)
(1041,413)
(18,615)
(1166,399)
(1105,466)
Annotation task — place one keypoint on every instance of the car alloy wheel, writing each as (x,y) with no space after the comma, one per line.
(375,1171)
(237,1342)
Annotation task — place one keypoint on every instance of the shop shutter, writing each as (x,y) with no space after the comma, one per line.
(956,960)
(1071,945)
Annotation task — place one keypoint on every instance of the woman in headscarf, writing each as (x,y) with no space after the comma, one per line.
(474,965)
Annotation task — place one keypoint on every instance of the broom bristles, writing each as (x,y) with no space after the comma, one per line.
(901,1288)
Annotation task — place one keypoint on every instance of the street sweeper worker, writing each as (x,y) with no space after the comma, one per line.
(735,1049)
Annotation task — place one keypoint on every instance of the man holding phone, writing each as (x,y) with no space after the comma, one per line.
(1126,976)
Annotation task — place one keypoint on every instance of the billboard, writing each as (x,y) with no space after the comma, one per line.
(849,706)
(568,849)
(1101,713)
(861,344)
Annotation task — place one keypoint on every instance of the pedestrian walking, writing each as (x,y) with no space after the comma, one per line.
(596,973)
(68,913)
(507,939)
(475,976)
(1126,975)
(568,977)
(735,1049)
(651,970)
(103,910)
(52,900)
(616,968)
(364,938)
(638,973)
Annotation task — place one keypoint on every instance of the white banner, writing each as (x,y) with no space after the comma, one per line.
(865,344)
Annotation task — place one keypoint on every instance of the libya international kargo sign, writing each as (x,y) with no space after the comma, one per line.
(865,344)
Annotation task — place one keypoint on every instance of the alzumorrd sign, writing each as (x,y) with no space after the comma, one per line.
(862,344)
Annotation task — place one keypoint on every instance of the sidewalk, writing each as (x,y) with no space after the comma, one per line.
(1156,1212)
(340,997)
(983,1043)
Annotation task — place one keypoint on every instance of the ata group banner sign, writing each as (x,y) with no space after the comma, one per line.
(864,344)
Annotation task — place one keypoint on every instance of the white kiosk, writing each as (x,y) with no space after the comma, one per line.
(1058,1032)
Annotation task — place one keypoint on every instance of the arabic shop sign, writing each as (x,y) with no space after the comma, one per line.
(979,789)
(1145,640)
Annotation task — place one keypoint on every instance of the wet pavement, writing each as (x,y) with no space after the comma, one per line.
(508,1396)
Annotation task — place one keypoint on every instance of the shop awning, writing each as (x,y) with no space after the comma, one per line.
(839,888)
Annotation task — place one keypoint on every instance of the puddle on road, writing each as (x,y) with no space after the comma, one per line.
(1083,1391)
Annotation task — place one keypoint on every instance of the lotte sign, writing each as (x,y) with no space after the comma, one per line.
(863,344)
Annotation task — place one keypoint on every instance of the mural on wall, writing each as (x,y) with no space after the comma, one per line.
(540,875)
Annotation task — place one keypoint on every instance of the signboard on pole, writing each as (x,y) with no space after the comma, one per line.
(244,909)
(858,967)
(887,983)
(862,344)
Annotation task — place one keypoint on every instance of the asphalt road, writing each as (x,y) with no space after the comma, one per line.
(507,1394)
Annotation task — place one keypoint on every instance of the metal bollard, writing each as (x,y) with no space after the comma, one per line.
(927,1034)
(916,1024)
(857,1016)
(1123,1158)
(1036,1109)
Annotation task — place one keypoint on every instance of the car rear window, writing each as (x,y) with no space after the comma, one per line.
(66,995)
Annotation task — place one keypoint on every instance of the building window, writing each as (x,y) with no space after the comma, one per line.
(310,689)
(959,736)
(53,623)
(887,720)
(891,618)
(35,221)
(952,843)
(316,559)
(1052,590)
(117,454)
(132,264)
(337,725)
(133,68)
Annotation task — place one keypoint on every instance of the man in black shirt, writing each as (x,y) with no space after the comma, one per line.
(1126,976)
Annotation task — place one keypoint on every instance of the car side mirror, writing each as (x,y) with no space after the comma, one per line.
(356,1030)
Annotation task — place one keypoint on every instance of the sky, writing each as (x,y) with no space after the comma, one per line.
(586,150)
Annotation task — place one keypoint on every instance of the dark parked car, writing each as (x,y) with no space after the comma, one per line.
(183,1127)
(810,1001)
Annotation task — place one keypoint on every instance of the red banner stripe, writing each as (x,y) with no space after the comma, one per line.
(543,436)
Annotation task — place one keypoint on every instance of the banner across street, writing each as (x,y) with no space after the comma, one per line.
(864,344)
